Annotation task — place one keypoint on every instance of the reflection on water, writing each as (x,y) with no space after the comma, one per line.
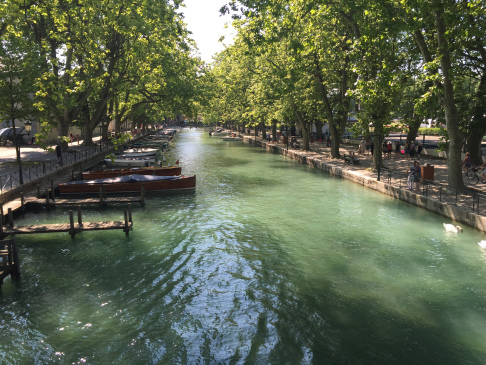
(267,262)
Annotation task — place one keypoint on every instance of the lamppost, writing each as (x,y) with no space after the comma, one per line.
(28,127)
(378,147)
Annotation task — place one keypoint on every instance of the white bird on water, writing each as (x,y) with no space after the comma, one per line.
(452,228)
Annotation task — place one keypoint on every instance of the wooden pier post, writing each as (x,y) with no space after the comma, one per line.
(130,212)
(14,256)
(22,202)
(10,217)
(142,195)
(101,195)
(47,197)
(72,231)
(80,216)
(126,229)
(38,191)
(52,189)
(9,260)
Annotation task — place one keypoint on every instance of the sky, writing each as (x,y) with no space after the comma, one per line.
(207,25)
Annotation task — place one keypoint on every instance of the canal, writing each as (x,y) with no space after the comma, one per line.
(267,262)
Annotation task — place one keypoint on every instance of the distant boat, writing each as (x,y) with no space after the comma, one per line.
(231,139)
(156,171)
(129,184)
(219,132)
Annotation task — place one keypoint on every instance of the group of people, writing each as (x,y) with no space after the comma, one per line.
(410,151)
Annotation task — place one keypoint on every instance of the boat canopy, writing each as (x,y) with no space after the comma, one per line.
(124,179)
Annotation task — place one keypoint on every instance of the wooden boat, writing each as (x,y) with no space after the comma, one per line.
(155,171)
(129,184)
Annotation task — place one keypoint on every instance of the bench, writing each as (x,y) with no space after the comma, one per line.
(351,159)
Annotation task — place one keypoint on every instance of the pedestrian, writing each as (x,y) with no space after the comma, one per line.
(389,149)
(71,137)
(367,147)
(77,138)
(419,150)
(414,177)
(466,163)
(397,150)
(372,147)
(407,150)
(59,154)
(385,149)
(362,147)
(412,150)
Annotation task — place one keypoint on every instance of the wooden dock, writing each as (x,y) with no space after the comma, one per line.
(71,227)
(9,260)
(101,200)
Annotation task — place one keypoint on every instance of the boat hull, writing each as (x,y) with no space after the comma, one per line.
(179,183)
(154,171)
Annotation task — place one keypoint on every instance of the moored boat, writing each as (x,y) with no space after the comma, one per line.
(155,171)
(141,162)
(129,183)
(231,139)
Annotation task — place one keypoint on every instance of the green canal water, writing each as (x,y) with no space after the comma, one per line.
(268,262)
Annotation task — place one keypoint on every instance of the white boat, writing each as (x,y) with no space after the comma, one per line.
(141,162)
(137,155)
(231,139)
(219,132)
(155,151)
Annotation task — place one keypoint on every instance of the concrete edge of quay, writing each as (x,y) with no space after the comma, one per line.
(456,214)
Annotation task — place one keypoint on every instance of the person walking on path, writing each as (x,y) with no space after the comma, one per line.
(419,150)
(397,150)
(59,154)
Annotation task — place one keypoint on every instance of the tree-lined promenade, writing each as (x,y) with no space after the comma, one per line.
(304,63)
(319,62)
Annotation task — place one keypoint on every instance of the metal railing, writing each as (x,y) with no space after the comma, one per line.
(466,199)
(12,180)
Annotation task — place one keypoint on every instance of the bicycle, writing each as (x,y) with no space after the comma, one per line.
(473,175)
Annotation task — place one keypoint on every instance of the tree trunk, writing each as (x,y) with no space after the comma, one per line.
(88,136)
(474,147)
(455,179)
